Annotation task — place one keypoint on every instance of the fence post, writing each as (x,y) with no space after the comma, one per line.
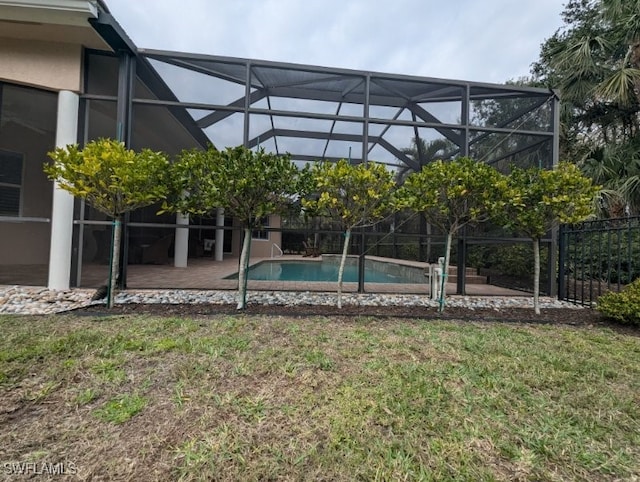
(461,285)
(562,295)
(361,261)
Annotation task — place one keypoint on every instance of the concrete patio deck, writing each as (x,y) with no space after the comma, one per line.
(208,274)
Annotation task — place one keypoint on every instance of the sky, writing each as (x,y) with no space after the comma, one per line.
(476,40)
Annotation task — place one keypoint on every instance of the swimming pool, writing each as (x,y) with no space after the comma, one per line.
(320,271)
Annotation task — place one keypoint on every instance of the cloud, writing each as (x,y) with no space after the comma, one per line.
(492,40)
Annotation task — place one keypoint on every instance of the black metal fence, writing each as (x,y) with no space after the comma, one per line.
(597,256)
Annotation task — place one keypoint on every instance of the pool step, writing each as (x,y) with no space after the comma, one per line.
(471,276)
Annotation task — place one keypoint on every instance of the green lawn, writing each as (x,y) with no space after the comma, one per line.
(265,398)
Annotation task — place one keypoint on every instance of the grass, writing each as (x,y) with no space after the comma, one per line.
(260,398)
(121,408)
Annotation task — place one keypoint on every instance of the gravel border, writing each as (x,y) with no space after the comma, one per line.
(25,300)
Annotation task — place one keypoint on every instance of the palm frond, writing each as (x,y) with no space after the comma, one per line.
(630,190)
(619,87)
(613,9)
(577,89)
(625,14)
(632,25)
(580,56)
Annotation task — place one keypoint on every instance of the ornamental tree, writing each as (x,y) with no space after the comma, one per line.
(539,199)
(248,185)
(356,195)
(451,195)
(113,180)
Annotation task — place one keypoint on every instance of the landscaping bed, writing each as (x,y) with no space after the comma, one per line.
(583,317)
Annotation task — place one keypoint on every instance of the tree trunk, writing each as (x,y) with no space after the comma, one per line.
(445,272)
(345,250)
(536,275)
(242,272)
(316,234)
(114,267)
(428,242)
(635,62)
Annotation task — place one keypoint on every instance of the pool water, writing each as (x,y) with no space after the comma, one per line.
(315,271)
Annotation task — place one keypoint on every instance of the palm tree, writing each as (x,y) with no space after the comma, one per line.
(616,168)
(601,86)
(596,64)
(423,152)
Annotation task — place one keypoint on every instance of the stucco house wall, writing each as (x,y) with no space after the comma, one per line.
(50,65)
(260,248)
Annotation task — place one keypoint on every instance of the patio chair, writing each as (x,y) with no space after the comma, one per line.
(158,252)
(310,250)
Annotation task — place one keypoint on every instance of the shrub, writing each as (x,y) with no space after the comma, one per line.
(623,306)
(512,261)
(509,260)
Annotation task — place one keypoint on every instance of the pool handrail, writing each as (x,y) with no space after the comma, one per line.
(274,245)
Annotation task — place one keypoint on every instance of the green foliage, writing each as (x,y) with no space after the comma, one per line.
(421,153)
(409,251)
(606,252)
(121,408)
(86,396)
(114,180)
(248,185)
(511,266)
(539,199)
(452,194)
(357,195)
(318,359)
(623,306)
(509,260)
(594,60)
(110,177)
(616,166)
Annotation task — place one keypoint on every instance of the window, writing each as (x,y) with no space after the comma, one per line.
(261,233)
(10,183)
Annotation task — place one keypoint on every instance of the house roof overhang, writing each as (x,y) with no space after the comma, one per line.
(64,21)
